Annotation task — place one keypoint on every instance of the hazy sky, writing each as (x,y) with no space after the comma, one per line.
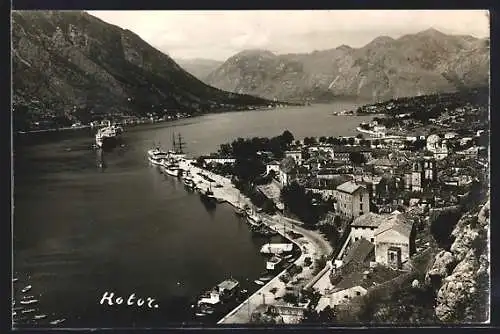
(220,34)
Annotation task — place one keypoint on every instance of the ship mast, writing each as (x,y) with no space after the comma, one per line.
(180,145)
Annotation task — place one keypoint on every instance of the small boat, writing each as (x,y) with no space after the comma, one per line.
(40,316)
(26,289)
(200,314)
(58,321)
(14,280)
(204,309)
(14,313)
(188,182)
(258,282)
(28,297)
(28,310)
(28,302)
(208,196)
(291,260)
(265,279)
(240,212)
(288,256)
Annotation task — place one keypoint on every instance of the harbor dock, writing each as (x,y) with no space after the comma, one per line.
(311,243)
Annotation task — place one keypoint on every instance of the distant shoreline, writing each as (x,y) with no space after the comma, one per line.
(53,130)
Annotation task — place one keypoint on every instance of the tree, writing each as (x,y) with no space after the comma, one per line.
(287,137)
(442,224)
(357,158)
(351,141)
(309,140)
(322,139)
(305,154)
(200,161)
(268,207)
(225,150)
(327,315)
(359,136)
(299,202)
(290,298)
(419,144)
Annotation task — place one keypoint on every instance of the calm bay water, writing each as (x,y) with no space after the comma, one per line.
(81,231)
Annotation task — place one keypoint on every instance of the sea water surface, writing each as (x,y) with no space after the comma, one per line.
(80,231)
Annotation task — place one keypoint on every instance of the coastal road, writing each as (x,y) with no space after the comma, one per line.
(312,244)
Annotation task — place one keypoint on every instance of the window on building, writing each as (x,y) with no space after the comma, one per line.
(360,206)
(358,293)
(372,239)
(356,239)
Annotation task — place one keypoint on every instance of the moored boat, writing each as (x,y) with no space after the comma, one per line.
(265,279)
(208,196)
(273,263)
(258,282)
(30,310)
(108,136)
(26,289)
(58,321)
(254,220)
(188,182)
(40,316)
(28,302)
(240,212)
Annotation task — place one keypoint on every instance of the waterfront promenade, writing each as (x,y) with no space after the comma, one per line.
(312,244)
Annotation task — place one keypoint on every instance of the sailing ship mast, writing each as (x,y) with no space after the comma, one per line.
(180,143)
(173,141)
(178,146)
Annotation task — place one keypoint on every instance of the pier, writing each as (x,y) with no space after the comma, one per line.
(311,244)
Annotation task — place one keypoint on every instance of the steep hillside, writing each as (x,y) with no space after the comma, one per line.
(423,63)
(199,67)
(71,66)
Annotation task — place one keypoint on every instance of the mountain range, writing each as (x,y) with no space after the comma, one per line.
(69,66)
(199,67)
(423,63)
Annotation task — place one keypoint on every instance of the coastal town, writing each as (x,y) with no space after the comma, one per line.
(368,215)
(262,169)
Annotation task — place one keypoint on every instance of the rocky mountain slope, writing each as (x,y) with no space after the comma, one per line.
(461,274)
(199,67)
(423,63)
(70,66)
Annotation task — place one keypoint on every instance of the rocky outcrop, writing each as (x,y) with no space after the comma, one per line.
(462,295)
(464,240)
(442,267)
(457,291)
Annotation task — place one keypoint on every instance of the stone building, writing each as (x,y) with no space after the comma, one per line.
(394,240)
(287,171)
(353,199)
(364,226)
